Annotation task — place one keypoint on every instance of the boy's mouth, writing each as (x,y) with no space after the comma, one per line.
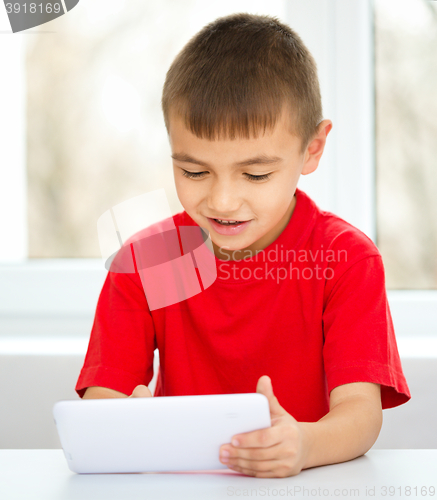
(229,223)
(228,227)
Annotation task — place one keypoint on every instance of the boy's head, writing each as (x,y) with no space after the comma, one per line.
(245,86)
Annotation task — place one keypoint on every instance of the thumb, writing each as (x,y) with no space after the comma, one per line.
(264,386)
(141,391)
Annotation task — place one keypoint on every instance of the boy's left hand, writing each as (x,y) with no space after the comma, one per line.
(277,451)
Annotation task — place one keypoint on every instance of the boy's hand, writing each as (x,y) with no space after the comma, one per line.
(277,451)
(141,391)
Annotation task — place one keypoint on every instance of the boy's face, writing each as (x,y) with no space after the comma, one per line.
(226,190)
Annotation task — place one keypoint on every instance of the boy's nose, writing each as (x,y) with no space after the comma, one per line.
(224,200)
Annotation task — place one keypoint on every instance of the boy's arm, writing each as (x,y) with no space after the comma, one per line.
(95,392)
(349,429)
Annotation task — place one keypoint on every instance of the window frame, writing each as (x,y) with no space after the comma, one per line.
(13,185)
(344,183)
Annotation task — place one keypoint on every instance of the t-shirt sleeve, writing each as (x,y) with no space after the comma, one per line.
(122,341)
(359,338)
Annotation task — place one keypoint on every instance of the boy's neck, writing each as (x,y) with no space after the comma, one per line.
(260,244)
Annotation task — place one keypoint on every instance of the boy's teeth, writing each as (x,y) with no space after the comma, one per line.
(227,222)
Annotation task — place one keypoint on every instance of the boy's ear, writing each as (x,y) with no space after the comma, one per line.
(316,147)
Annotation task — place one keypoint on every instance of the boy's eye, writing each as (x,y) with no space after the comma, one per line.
(198,175)
(192,175)
(257,177)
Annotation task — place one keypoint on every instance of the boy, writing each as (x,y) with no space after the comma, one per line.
(299,303)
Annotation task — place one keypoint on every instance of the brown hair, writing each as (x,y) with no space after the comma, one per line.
(235,76)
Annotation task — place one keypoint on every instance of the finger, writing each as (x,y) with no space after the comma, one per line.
(248,471)
(253,454)
(141,391)
(276,420)
(261,438)
(255,465)
(265,387)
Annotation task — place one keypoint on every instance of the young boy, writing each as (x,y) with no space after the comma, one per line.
(298,310)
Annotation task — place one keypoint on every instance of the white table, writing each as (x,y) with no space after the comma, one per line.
(44,475)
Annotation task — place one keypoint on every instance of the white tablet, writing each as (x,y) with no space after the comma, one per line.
(154,434)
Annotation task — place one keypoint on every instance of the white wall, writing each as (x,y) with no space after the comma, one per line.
(30,385)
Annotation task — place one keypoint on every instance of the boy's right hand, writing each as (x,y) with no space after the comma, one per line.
(141,391)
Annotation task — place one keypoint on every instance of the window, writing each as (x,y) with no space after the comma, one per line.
(111,145)
(406,146)
(83,130)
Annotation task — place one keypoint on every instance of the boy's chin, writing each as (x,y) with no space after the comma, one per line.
(231,248)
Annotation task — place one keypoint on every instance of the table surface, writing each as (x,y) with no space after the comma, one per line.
(44,475)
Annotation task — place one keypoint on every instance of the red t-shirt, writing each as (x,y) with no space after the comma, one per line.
(310,311)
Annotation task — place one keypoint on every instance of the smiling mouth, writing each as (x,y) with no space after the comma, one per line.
(229,227)
(229,223)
